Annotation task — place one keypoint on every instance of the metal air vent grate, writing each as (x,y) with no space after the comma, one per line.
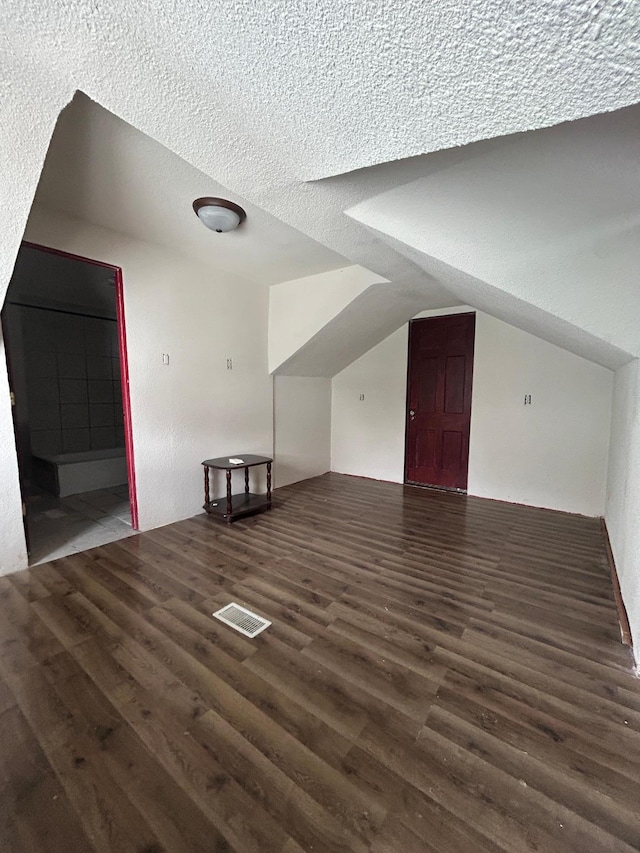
(243,620)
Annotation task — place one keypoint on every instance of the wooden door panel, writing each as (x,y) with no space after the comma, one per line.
(439,400)
(452,448)
(427,392)
(454,385)
(426,454)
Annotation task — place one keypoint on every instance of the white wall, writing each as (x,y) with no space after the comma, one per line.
(13,553)
(28,112)
(302,423)
(543,223)
(194,408)
(298,309)
(367,436)
(623,489)
(552,453)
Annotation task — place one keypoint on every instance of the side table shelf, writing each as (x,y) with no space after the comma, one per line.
(245,503)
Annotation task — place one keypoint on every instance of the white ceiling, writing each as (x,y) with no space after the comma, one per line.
(320,88)
(101,169)
(551,218)
(272,97)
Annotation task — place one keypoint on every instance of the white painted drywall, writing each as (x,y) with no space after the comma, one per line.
(13,552)
(552,453)
(622,512)
(298,309)
(27,117)
(548,219)
(367,436)
(101,169)
(302,425)
(194,408)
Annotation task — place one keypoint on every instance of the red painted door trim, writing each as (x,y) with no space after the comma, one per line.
(126,399)
(124,367)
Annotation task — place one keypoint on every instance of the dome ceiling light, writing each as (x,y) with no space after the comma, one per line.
(218,214)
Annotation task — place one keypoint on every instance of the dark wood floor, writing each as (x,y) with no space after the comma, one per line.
(442,674)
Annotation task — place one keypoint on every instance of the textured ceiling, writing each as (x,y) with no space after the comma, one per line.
(100,169)
(551,218)
(264,92)
(330,86)
(269,97)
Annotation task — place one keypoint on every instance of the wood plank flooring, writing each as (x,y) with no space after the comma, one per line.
(443,674)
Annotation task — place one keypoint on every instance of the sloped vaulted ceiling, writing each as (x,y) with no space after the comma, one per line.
(102,170)
(546,223)
(270,97)
(260,92)
(329,86)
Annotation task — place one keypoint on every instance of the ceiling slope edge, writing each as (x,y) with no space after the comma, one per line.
(524,315)
(367,320)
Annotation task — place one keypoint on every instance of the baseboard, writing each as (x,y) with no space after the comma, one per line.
(625,630)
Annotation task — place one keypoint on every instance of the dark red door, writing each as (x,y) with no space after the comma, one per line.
(439,400)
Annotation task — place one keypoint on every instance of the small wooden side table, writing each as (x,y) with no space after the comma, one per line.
(245,503)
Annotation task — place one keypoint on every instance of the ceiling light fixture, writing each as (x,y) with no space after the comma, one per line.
(218,214)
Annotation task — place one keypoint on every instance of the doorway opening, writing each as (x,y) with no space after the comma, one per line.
(65,340)
(439,384)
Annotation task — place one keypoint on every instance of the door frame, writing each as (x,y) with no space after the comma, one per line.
(124,366)
(405,481)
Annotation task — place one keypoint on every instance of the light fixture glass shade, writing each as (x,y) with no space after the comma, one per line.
(219,218)
(218,214)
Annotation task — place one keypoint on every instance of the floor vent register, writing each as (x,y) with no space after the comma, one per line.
(243,620)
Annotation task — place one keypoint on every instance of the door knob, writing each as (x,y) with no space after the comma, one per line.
(412,413)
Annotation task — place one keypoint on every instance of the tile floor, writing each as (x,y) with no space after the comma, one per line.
(62,526)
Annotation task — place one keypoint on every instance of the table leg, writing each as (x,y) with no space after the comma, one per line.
(207,499)
(268,483)
(246,481)
(229,506)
